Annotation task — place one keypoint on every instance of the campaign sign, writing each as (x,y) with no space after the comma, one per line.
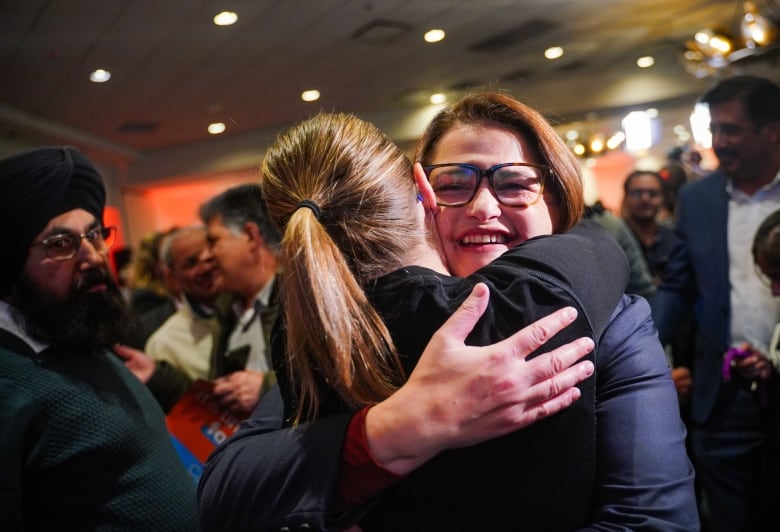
(197,425)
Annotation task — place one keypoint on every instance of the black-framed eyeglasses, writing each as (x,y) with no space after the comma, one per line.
(513,184)
(65,246)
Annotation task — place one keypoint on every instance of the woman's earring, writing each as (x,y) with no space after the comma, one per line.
(419,197)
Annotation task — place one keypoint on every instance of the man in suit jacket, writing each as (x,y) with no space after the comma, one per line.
(717,217)
(244,244)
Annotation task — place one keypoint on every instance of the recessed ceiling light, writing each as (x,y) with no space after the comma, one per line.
(434,35)
(216,128)
(645,62)
(438,98)
(310,96)
(553,52)
(100,76)
(225,18)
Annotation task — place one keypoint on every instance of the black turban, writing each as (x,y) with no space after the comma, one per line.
(36,186)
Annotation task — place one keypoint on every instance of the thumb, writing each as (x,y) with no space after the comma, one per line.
(121,351)
(460,324)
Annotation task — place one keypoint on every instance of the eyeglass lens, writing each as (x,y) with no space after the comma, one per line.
(514,185)
(65,246)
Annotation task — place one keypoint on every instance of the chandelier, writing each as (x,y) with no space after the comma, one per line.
(753,34)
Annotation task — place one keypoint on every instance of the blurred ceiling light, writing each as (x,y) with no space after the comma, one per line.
(700,125)
(652,112)
(434,35)
(616,140)
(579,149)
(755,28)
(225,18)
(216,128)
(597,143)
(753,35)
(645,61)
(99,75)
(310,95)
(553,52)
(638,131)
(438,98)
(572,134)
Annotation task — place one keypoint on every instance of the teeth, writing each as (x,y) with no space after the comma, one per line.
(484,239)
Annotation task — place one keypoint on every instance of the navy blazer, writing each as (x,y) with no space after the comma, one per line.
(698,273)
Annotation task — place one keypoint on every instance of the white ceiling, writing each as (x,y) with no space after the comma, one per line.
(174,71)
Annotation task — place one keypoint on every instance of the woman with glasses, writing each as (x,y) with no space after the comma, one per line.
(365,288)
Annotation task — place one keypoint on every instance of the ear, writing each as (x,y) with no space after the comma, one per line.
(253,234)
(425,189)
(773,128)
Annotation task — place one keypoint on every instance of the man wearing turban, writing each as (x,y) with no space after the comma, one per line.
(84,444)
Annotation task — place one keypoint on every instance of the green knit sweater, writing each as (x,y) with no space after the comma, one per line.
(84,446)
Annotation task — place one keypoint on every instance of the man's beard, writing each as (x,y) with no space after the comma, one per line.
(79,321)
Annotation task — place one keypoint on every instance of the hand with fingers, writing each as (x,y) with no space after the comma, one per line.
(465,394)
(139,363)
(239,391)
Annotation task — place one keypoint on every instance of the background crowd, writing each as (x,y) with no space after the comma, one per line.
(92,360)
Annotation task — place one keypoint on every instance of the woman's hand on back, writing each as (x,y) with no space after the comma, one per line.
(460,395)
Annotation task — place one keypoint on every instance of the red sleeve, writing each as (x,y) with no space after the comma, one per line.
(360,476)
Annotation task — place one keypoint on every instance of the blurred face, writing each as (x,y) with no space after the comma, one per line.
(192,266)
(644,198)
(474,234)
(231,253)
(74,303)
(741,148)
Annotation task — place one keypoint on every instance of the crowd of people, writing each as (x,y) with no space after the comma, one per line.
(451,342)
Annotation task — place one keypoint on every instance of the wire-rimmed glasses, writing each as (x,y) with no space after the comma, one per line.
(65,246)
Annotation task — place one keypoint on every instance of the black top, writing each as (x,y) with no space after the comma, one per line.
(471,488)
(85,447)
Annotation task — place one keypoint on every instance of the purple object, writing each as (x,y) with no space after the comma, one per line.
(728,360)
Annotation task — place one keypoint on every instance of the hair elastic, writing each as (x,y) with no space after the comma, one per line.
(309,204)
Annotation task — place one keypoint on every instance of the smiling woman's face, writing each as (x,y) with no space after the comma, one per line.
(473,235)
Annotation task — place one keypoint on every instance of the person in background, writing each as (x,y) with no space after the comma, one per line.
(643,197)
(714,273)
(355,239)
(674,173)
(244,245)
(183,348)
(151,299)
(640,282)
(84,444)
